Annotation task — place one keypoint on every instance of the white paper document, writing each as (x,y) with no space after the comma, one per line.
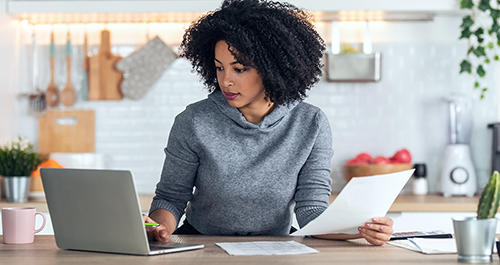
(435,245)
(430,245)
(266,248)
(361,199)
(405,243)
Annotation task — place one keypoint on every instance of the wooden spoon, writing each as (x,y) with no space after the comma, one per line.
(52,96)
(68,94)
(84,90)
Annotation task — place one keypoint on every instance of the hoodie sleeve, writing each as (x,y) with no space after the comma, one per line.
(175,188)
(314,182)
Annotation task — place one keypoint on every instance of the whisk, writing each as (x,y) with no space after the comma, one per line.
(37,103)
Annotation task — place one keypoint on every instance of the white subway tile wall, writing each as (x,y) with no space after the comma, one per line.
(403,110)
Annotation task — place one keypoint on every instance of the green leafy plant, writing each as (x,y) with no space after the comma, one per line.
(482,30)
(490,198)
(18,159)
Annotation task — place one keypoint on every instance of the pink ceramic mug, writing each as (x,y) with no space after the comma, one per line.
(18,225)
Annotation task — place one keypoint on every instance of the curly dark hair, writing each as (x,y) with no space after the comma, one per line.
(277,39)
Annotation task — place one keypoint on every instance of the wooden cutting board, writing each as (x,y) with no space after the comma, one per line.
(104,78)
(66,131)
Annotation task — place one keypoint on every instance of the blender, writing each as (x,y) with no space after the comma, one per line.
(457,175)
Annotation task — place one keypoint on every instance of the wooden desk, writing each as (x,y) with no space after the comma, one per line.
(44,251)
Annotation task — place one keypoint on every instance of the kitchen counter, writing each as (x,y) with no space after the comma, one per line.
(431,203)
(404,203)
(44,251)
(144,200)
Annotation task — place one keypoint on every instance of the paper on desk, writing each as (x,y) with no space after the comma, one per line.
(405,243)
(266,248)
(361,199)
(435,245)
(430,245)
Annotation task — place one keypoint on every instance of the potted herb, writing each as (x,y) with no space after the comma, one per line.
(475,236)
(17,160)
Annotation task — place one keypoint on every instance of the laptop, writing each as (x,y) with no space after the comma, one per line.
(98,210)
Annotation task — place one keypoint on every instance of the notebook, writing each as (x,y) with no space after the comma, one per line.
(99,210)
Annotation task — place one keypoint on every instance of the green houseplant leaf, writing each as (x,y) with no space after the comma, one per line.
(465,66)
(468,4)
(480,71)
(481,36)
(484,5)
(479,51)
(18,159)
(467,22)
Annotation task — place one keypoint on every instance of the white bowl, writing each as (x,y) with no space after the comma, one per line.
(79,160)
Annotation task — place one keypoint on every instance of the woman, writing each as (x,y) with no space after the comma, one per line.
(254,152)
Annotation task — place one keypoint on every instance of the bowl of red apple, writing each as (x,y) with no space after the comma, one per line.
(364,164)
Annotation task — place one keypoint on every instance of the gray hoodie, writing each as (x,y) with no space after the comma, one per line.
(248,178)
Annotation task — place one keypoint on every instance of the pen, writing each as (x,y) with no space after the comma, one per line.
(151,224)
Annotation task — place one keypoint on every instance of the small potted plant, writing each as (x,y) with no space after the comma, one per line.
(475,236)
(17,160)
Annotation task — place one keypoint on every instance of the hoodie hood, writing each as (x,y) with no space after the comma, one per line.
(234,114)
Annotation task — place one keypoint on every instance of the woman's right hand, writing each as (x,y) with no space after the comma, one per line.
(159,233)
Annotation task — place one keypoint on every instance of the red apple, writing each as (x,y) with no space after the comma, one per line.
(381,160)
(402,156)
(356,161)
(364,157)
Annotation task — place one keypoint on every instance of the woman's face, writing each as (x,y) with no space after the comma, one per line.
(241,85)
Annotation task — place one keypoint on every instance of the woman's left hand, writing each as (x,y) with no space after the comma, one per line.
(378,232)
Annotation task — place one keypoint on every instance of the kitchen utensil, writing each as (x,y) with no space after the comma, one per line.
(68,94)
(85,82)
(144,67)
(457,174)
(352,67)
(52,95)
(351,171)
(66,131)
(367,42)
(104,79)
(37,104)
(335,46)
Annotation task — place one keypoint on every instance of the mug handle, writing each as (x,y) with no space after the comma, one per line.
(43,225)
